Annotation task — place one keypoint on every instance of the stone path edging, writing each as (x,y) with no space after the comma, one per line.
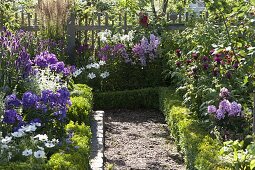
(97,141)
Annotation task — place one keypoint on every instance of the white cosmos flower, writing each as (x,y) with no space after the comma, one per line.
(55,140)
(18,134)
(29,128)
(6,140)
(39,154)
(42,137)
(4,146)
(49,144)
(105,74)
(96,65)
(89,66)
(101,62)
(91,75)
(78,72)
(27,152)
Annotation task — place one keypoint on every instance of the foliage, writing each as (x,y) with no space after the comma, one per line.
(191,135)
(235,155)
(208,156)
(7,14)
(129,99)
(77,155)
(125,61)
(80,109)
(34,101)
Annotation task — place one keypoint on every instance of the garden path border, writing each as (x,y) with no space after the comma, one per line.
(97,141)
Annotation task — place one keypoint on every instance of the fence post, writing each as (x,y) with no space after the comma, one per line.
(71,37)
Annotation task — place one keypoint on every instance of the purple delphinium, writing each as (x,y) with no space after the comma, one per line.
(224,92)
(24,64)
(11,116)
(211,109)
(29,100)
(12,101)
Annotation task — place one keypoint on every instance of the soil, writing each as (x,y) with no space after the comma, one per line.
(139,140)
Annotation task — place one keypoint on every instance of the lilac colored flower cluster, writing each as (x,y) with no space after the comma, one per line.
(226,108)
(111,52)
(47,59)
(146,49)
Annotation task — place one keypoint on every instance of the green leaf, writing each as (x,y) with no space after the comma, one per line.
(252,164)
(242,53)
(246,80)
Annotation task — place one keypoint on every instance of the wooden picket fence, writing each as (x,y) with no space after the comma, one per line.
(88,26)
(85,28)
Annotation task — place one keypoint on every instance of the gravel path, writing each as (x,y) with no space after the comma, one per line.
(139,140)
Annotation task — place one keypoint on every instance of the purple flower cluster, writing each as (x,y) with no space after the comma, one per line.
(226,108)
(47,59)
(112,52)
(11,101)
(146,49)
(11,117)
(47,103)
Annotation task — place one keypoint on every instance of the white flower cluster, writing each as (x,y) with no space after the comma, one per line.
(103,35)
(104,74)
(123,38)
(8,141)
(45,79)
(96,65)
(78,72)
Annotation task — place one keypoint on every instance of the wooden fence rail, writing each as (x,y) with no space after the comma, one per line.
(85,28)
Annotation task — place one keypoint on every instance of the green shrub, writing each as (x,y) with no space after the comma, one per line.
(80,110)
(81,98)
(208,156)
(82,90)
(129,99)
(74,159)
(191,135)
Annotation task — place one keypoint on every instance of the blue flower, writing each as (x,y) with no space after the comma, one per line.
(11,116)
(29,100)
(12,101)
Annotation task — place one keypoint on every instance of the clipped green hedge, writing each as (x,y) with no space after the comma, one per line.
(199,149)
(81,98)
(129,99)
